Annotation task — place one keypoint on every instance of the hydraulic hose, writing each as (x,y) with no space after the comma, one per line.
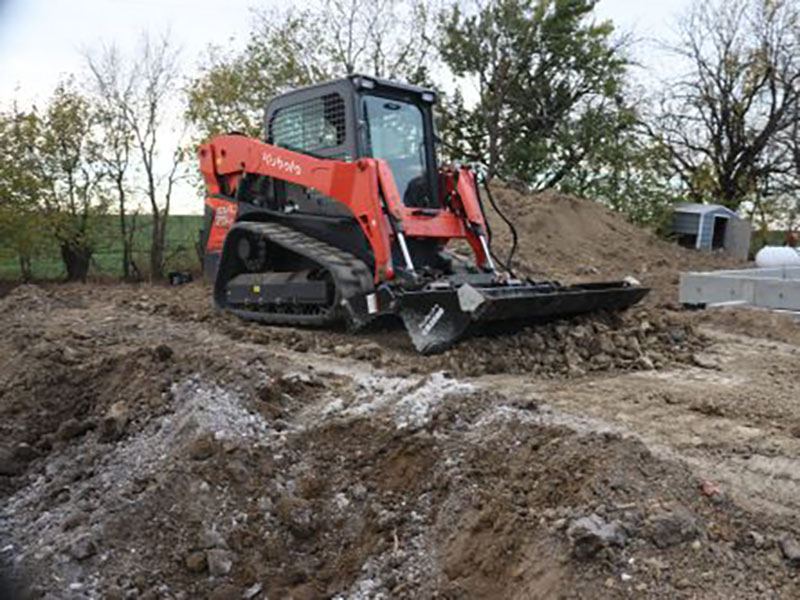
(488,230)
(514,238)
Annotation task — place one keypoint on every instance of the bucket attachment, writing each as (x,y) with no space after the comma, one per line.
(437,318)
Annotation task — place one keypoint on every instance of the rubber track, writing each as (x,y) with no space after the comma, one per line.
(351,275)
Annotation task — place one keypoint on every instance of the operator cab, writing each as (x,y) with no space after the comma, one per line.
(363,117)
(347,119)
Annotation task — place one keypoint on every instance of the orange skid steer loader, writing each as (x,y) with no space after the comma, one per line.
(344,215)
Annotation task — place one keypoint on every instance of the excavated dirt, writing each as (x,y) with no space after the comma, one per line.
(779,327)
(576,240)
(641,339)
(151,447)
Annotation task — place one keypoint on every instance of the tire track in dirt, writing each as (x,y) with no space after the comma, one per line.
(733,422)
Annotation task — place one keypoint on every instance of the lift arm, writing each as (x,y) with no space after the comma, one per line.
(366,187)
(227,158)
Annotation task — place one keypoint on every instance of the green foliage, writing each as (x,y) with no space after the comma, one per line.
(232,92)
(71,165)
(49,180)
(21,187)
(106,261)
(20,179)
(549,79)
(631,175)
(302,47)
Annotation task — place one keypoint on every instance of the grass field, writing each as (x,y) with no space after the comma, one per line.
(182,236)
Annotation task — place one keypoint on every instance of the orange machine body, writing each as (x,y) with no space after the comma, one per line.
(365,186)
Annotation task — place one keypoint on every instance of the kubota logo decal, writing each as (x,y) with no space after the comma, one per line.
(431,319)
(289,166)
(224,217)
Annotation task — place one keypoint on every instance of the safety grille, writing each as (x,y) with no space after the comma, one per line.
(310,126)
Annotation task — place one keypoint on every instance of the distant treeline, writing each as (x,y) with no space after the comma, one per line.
(181,249)
(540,93)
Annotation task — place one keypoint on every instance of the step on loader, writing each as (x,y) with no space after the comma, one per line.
(343,215)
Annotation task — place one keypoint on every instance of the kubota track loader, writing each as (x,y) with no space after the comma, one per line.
(344,215)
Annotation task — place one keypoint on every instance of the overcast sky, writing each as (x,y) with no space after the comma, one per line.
(42,40)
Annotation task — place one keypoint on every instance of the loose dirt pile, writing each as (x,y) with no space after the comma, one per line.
(151,448)
(575,240)
(641,339)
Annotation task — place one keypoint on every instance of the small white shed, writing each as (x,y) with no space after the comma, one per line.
(711,227)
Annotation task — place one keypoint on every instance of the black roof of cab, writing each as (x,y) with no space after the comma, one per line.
(356,81)
(340,97)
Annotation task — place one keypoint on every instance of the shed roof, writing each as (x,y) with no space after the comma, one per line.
(699,209)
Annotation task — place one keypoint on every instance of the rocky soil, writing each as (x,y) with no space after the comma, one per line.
(151,447)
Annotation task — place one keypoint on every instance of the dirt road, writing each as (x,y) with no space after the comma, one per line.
(152,448)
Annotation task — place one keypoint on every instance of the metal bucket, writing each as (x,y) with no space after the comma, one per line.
(437,318)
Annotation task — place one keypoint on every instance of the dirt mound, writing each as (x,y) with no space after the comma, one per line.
(30,297)
(390,488)
(643,340)
(639,341)
(575,240)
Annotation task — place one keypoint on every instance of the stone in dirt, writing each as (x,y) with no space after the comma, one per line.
(672,528)
(220,562)
(591,534)
(645,363)
(252,591)
(710,489)
(196,562)
(791,549)
(296,514)
(72,428)
(211,538)
(202,447)
(226,591)
(704,362)
(343,350)
(367,351)
(74,520)
(113,424)
(758,540)
(163,352)
(83,547)
(9,465)
(25,452)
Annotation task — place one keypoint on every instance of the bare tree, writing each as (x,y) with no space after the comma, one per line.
(142,94)
(789,191)
(385,38)
(740,92)
(111,94)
